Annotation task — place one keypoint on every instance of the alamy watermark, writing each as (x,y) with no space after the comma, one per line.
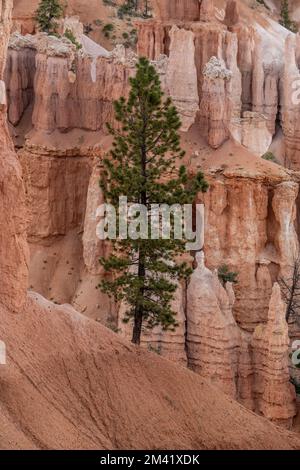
(158,221)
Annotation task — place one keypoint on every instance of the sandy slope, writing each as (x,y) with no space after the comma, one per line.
(70,383)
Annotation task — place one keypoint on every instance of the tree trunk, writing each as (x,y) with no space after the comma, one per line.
(138,314)
(137,329)
(139,311)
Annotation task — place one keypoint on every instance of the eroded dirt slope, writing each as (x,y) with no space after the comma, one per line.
(70,383)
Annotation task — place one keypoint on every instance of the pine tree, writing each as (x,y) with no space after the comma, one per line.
(46,14)
(143,165)
(225,275)
(129,7)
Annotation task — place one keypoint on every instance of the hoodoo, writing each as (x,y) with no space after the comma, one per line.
(189,105)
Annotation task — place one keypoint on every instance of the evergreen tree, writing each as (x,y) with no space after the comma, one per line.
(142,166)
(285,17)
(46,14)
(227,276)
(129,7)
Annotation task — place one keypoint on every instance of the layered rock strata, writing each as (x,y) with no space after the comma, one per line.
(213,337)
(245,51)
(181,76)
(65,365)
(56,190)
(274,395)
(214,112)
(19,76)
(250,226)
(213,74)
(290,103)
(14,253)
(67,91)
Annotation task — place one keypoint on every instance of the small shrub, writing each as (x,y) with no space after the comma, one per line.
(128,8)
(262,2)
(130,39)
(156,350)
(107,29)
(269,156)
(47,13)
(69,35)
(225,275)
(285,17)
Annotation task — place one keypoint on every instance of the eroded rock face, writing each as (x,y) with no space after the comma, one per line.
(214,76)
(153,39)
(56,189)
(182,10)
(216,101)
(56,383)
(19,75)
(60,328)
(250,227)
(290,103)
(274,394)
(181,77)
(285,239)
(251,368)
(244,50)
(5,26)
(93,248)
(252,132)
(207,10)
(14,255)
(213,337)
(71,24)
(68,95)
(58,159)
(214,112)
(62,193)
(13,248)
(75,89)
